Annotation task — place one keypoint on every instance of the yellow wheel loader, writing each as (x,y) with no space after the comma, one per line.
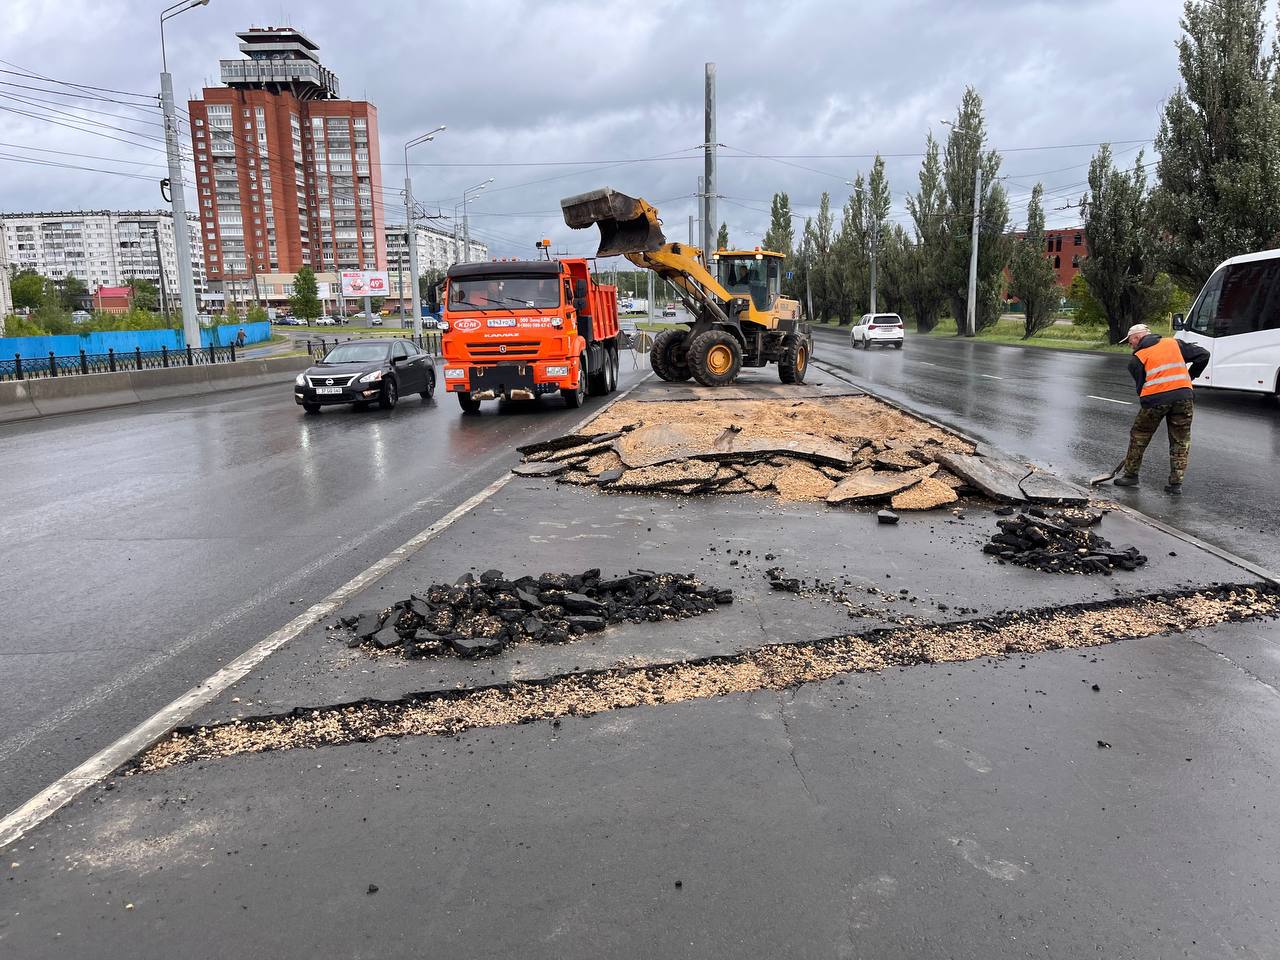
(740,318)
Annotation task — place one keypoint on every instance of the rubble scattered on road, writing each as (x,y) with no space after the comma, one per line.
(844,450)
(1059,541)
(478,617)
(774,667)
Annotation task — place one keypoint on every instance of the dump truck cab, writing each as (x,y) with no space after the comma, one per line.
(522,329)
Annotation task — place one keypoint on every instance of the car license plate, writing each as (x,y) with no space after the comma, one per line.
(328,389)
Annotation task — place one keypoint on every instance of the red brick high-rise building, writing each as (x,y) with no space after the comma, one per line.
(287,174)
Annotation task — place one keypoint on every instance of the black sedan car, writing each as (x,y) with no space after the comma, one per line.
(366,371)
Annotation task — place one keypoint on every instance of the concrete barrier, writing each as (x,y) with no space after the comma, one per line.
(27,399)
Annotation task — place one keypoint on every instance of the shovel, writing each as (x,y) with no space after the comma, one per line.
(1104,477)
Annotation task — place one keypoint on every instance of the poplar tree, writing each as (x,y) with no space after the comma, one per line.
(1031,277)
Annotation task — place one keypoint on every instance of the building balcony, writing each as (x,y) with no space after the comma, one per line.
(310,80)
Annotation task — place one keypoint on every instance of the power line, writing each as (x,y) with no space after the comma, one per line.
(71,166)
(22,71)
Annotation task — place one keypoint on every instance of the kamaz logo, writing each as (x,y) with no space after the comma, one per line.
(502,348)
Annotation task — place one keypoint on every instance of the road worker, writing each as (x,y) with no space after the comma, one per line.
(1162,369)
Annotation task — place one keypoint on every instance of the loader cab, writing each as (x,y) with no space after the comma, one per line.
(750,273)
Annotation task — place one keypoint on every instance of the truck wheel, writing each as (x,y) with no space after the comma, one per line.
(613,370)
(467,404)
(668,357)
(597,380)
(576,396)
(716,358)
(794,362)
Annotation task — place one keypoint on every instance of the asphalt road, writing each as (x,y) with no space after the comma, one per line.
(142,548)
(1072,412)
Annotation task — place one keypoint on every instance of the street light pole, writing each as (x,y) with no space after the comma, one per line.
(466,219)
(177,193)
(971,303)
(412,230)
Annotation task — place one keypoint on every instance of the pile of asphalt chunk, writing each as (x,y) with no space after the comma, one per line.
(1058,541)
(478,617)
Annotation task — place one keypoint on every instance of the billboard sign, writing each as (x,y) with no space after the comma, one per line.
(364,283)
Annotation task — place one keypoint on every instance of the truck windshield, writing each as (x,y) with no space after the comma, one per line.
(485,293)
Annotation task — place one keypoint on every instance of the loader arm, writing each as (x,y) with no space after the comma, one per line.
(679,264)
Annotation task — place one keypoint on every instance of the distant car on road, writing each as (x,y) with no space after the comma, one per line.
(326,321)
(878,329)
(669,313)
(361,372)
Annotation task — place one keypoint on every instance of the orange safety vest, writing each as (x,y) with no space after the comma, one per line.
(1166,370)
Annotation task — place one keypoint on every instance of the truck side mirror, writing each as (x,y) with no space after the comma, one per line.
(1179,322)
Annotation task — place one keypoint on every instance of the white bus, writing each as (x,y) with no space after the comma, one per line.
(1237,319)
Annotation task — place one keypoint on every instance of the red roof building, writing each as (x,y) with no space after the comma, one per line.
(113,299)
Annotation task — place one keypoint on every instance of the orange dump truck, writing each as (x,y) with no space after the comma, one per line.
(520,329)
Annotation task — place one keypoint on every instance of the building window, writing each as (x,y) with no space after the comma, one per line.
(1079,240)
(1057,262)
(1075,261)
(199,122)
(1058,247)
(1049,245)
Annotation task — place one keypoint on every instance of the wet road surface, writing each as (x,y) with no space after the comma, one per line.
(1072,412)
(142,548)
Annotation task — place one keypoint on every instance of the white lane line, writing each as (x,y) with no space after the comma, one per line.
(927,363)
(990,377)
(67,787)
(1127,403)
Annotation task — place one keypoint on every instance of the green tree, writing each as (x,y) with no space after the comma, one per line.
(305,301)
(146,295)
(29,290)
(72,293)
(1218,174)
(722,238)
(819,238)
(20,326)
(256,314)
(1120,267)
(962,157)
(893,268)
(848,274)
(1086,311)
(780,237)
(922,286)
(1031,276)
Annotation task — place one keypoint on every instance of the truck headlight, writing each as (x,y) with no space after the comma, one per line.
(300,380)
(442,324)
(454,373)
(371,377)
(557,371)
(557,322)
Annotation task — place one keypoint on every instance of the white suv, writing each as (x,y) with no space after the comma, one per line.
(883,329)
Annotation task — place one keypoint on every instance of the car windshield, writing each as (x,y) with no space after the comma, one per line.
(356,353)
(485,293)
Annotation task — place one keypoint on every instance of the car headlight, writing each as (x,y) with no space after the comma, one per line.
(557,371)
(371,377)
(454,373)
(300,379)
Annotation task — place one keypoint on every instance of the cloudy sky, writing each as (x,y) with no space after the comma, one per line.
(552,98)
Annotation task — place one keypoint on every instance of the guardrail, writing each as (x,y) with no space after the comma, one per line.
(39,367)
(427,342)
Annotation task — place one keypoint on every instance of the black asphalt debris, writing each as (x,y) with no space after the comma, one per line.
(1059,541)
(478,617)
(887,516)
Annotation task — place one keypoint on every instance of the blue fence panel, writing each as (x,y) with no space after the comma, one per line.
(127,341)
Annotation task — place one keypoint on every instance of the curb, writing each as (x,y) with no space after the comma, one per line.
(1222,554)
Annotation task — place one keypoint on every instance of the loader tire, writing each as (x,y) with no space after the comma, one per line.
(715,358)
(668,356)
(794,361)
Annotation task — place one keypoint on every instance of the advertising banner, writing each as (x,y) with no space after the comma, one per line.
(364,283)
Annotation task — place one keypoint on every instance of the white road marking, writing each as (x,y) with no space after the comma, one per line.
(990,377)
(67,787)
(927,363)
(1127,403)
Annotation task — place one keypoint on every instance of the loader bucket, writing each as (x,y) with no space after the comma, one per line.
(627,225)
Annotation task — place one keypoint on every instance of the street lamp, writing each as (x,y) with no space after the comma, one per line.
(177,194)
(971,304)
(466,222)
(412,231)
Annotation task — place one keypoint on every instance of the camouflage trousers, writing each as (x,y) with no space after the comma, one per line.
(1177,417)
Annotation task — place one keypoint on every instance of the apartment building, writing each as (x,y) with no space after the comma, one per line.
(98,247)
(438,250)
(287,173)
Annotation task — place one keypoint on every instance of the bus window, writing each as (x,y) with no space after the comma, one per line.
(1206,308)
(1250,298)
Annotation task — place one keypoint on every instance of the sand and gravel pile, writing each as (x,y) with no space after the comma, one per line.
(479,616)
(841,450)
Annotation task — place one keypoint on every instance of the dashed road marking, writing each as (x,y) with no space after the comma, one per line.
(1127,403)
(990,376)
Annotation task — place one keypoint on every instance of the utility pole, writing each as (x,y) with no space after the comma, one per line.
(164,291)
(697,217)
(649,275)
(970,313)
(412,229)
(709,220)
(691,240)
(177,193)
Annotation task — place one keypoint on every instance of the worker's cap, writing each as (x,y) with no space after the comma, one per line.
(1138,329)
